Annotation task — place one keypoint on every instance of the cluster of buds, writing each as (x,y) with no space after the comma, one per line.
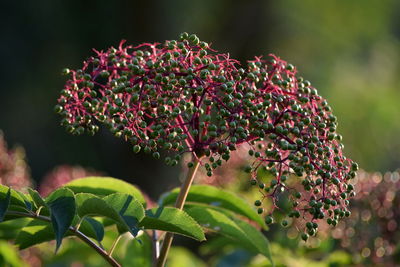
(14,171)
(184,97)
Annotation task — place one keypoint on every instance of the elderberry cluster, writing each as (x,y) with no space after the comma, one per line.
(184,97)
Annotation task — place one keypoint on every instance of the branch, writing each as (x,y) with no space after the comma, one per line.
(75,231)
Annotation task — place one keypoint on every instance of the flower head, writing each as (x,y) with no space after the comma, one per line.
(182,96)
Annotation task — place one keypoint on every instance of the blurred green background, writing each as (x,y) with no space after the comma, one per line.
(348,49)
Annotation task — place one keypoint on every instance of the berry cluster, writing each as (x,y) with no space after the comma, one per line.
(183,96)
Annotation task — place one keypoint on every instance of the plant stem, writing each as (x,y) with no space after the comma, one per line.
(156,246)
(75,231)
(114,245)
(180,202)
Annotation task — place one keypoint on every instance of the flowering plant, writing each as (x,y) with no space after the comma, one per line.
(183,97)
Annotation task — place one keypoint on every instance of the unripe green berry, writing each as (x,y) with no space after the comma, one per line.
(136,148)
(304,236)
(58,108)
(248,169)
(269,220)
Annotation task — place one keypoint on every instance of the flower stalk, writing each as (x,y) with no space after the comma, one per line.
(180,202)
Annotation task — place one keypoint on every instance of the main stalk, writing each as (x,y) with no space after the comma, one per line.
(180,202)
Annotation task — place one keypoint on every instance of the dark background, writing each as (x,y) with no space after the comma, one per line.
(348,49)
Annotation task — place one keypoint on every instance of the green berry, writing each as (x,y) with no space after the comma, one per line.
(269,220)
(65,71)
(248,169)
(136,148)
(58,108)
(156,155)
(304,236)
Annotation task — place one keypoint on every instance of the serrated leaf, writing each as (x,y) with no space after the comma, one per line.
(129,209)
(213,196)
(123,209)
(103,186)
(172,220)
(62,212)
(239,231)
(4,204)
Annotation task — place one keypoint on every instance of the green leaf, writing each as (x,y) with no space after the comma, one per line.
(9,256)
(138,252)
(91,205)
(259,241)
(216,245)
(93,228)
(211,195)
(28,202)
(172,220)
(35,232)
(15,198)
(129,209)
(103,186)
(123,209)
(37,199)
(62,211)
(10,229)
(239,231)
(4,203)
